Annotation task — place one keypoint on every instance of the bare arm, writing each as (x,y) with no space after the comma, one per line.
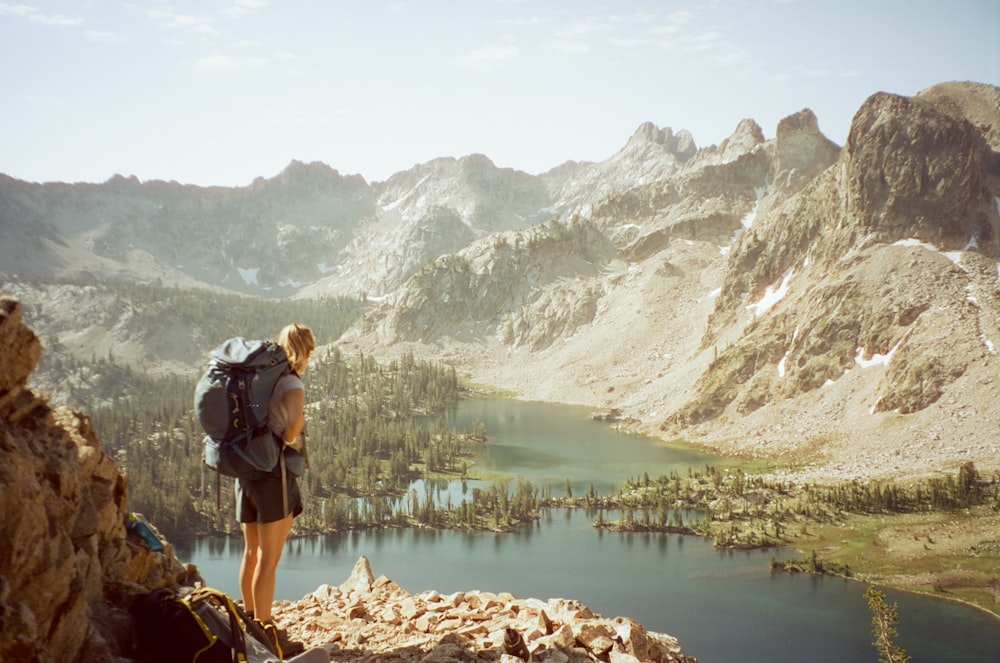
(294,402)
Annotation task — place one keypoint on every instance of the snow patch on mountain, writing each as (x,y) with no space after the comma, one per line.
(772,295)
(874,359)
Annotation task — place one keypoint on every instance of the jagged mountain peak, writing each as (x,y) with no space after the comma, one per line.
(119,180)
(477,161)
(801,150)
(462,176)
(487,198)
(315,176)
(681,144)
(650,155)
(802,122)
(745,138)
(314,170)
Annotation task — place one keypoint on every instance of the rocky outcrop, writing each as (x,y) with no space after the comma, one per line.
(911,168)
(977,103)
(680,145)
(504,284)
(885,260)
(784,296)
(801,151)
(747,136)
(67,567)
(373,619)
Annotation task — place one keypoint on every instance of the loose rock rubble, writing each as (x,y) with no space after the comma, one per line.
(369,619)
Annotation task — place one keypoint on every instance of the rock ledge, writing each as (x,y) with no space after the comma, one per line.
(369,619)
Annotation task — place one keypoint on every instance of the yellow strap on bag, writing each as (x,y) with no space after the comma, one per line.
(236,625)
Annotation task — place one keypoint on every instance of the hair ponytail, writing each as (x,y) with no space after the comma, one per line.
(298,342)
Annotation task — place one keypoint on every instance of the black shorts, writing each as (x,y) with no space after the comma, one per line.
(259,501)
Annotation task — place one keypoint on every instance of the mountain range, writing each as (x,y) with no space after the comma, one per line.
(831,309)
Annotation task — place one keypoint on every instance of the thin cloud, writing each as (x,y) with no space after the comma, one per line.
(732,58)
(570,47)
(702,42)
(490,54)
(184,22)
(103,37)
(628,42)
(216,63)
(241,7)
(578,30)
(666,30)
(528,20)
(801,72)
(203,24)
(575,39)
(823,72)
(35,15)
(219,62)
(673,23)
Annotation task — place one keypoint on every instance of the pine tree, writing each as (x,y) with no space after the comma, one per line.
(884,620)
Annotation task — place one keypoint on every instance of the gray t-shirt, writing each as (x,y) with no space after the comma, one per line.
(277,414)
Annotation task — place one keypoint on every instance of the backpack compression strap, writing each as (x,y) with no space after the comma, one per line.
(284,484)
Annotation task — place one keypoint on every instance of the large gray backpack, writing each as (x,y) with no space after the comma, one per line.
(232,400)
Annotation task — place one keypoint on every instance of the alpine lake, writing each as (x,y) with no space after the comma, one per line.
(721,605)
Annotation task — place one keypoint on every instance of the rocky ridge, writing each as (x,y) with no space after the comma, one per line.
(832,309)
(69,571)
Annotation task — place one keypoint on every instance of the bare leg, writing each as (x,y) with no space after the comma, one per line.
(248,566)
(271,538)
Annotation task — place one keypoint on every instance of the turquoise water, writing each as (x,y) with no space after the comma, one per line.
(722,605)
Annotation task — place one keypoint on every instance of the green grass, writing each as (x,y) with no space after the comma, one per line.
(899,551)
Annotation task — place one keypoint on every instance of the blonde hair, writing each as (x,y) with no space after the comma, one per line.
(298,342)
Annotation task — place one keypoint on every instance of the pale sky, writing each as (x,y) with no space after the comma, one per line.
(219,92)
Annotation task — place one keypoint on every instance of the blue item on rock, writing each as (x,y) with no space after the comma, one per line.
(136,526)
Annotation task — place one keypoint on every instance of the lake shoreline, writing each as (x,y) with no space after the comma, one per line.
(562,554)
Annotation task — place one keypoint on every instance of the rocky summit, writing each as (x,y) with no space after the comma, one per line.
(69,569)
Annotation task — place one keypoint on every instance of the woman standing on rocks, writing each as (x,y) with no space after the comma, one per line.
(261,504)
